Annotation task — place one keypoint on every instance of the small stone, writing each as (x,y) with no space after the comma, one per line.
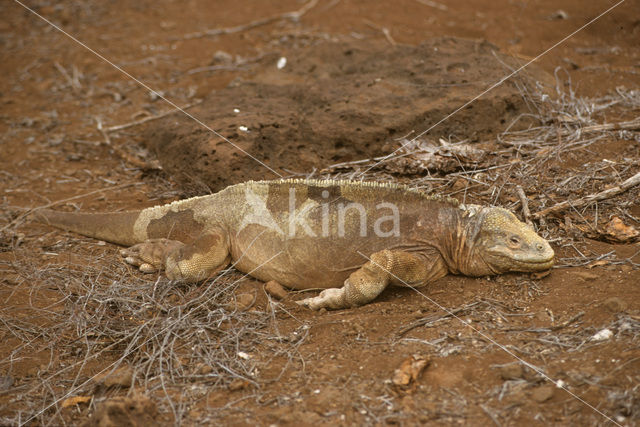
(222,57)
(615,305)
(602,335)
(511,372)
(558,14)
(542,393)
(275,289)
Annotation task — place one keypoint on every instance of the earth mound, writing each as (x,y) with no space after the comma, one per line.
(340,101)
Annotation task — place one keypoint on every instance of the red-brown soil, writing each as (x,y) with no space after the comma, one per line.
(223,352)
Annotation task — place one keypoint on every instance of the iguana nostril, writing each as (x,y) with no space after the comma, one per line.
(540,247)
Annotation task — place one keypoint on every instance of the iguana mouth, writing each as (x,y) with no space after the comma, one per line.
(504,261)
(514,264)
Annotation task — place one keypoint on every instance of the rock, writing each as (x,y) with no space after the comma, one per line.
(275,289)
(558,14)
(614,305)
(120,377)
(124,411)
(602,335)
(222,57)
(543,393)
(511,372)
(617,231)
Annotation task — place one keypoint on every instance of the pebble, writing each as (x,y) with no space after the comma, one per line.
(543,393)
(615,305)
(511,372)
(275,289)
(602,335)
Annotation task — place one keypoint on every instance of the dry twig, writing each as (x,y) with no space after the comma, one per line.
(525,204)
(385,31)
(148,119)
(291,16)
(603,195)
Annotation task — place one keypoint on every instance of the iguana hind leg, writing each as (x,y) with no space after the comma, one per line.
(192,262)
(384,268)
(150,256)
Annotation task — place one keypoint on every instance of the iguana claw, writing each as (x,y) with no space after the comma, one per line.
(150,256)
(331,299)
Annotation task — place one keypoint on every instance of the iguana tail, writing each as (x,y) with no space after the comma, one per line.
(114,227)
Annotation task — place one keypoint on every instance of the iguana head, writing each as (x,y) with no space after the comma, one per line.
(503,243)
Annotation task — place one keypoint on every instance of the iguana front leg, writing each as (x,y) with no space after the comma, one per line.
(192,262)
(384,268)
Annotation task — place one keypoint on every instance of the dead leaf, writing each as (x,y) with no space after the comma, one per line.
(540,274)
(617,230)
(598,263)
(409,370)
(419,155)
(238,384)
(75,400)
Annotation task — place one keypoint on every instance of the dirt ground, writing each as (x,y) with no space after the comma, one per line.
(86,339)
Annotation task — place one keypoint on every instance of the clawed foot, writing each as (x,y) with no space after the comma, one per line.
(330,299)
(150,256)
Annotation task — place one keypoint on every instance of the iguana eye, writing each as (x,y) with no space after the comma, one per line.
(515,240)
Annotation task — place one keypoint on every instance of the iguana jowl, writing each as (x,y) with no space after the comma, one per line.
(351,238)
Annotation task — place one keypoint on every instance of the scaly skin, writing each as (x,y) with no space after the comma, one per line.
(351,238)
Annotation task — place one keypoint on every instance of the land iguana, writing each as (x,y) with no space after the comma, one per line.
(350,238)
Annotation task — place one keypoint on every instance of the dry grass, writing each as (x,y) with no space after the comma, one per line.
(105,318)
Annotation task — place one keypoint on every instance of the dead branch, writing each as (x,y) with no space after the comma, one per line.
(567,322)
(291,16)
(603,195)
(128,158)
(436,317)
(532,136)
(73,82)
(630,125)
